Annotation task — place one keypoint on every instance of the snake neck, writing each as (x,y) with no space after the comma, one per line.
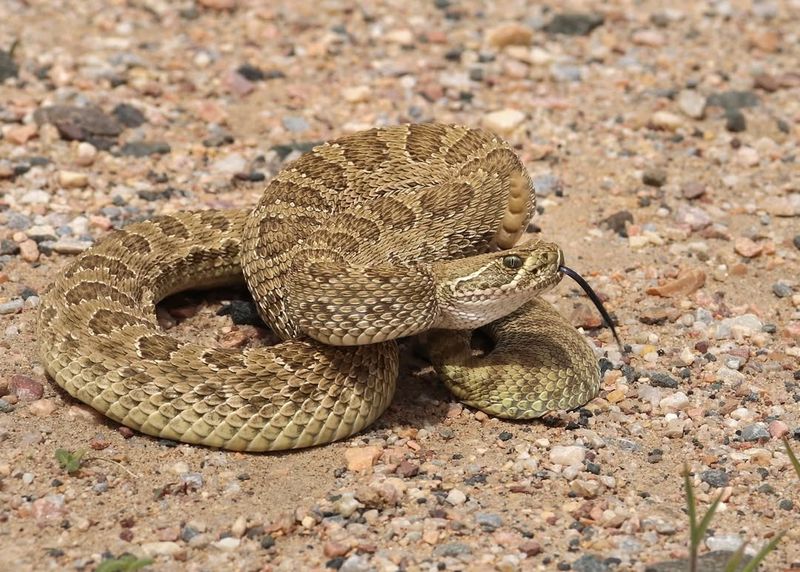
(341,304)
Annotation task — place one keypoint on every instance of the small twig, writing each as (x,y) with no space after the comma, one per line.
(113,462)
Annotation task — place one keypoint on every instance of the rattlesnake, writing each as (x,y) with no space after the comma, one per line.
(380,234)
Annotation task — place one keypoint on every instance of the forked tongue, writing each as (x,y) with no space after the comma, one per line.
(594,298)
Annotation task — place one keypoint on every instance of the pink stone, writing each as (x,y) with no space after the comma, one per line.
(25,388)
(778,429)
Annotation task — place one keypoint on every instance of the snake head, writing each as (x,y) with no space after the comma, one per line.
(473,291)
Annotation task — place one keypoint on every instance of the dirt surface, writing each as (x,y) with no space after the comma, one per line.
(664,146)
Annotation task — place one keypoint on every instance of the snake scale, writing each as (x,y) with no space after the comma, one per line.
(377,235)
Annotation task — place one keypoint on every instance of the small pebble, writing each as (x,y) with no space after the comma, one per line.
(160,548)
(692,104)
(511,34)
(654,177)
(666,121)
(678,401)
(12,306)
(72,180)
(715,478)
(504,121)
(755,432)
(782,289)
(735,121)
(361,458)
(25,388)
(568,456)
(42,407)
(456,497)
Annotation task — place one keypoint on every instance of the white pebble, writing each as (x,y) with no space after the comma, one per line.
(567,455)
(730,542)
(228,543)
(456,497)
(179,468)
(160,548)
(728,375)
(666,120)
(675,402)
(742,414)
(503,121)
(86,154)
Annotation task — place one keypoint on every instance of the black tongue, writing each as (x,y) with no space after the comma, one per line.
(594,298)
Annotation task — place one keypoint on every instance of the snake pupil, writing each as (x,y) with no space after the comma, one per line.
(512,261)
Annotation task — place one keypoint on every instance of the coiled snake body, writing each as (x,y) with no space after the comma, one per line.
(380,234)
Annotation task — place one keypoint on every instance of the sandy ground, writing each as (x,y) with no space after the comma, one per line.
(682,125)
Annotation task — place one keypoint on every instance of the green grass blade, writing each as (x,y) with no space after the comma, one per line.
(125,563)
(752,566)
(736,559)
(706,521)
(691,503)
(792,456)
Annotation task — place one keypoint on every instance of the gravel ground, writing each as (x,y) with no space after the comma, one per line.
(664,146)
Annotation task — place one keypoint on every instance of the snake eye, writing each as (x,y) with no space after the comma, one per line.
(512,261)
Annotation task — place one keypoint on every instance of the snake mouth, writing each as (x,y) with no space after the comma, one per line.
(594,298)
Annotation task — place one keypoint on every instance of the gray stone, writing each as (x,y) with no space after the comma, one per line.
(192,480)
(654,177)
(488,522)
(658,379)
(452,549)
(715,478)
(8,247)
(574,23)
(295,124)
(566,72)
(18,221)
(781,289)
(188,532)
(12,306)
(88,123)
(229,164)
(548,184)
(729,100)
(618,222)
(692,104)
(144,148)
(724,542)
(355,563)
(735,121)
(128,115)
(755,432)
(35,197)
(590,563)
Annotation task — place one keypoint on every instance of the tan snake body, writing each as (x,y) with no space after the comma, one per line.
(378,235)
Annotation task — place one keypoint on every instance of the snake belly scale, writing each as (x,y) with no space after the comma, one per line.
(377,235)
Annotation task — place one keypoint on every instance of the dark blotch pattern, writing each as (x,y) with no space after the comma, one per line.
(96,290)
(365,149)
(115,268)
(215,220)
(424,141)
(104,321)
(134,243)
(156,347)
(172,227)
